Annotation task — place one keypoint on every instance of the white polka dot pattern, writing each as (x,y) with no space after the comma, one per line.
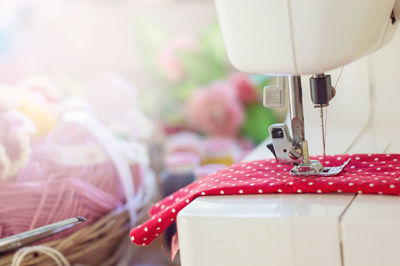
(366,174)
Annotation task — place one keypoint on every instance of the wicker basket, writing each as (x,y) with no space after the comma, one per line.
(95,244)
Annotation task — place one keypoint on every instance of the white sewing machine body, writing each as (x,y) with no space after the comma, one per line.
(310,229)
(302,37)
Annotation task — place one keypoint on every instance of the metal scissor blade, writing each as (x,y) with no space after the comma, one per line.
(22,239)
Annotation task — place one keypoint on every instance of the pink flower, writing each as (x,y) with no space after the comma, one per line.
(169,64)
(245,89)
(216,110)
(168,61)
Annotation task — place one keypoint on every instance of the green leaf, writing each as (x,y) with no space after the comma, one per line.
(150,36)
(258,119)
(200,69)
(183,90)
(213,44)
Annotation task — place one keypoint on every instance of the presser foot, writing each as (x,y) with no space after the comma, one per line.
(315,168)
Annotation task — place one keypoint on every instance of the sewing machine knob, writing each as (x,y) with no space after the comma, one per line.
(273,97)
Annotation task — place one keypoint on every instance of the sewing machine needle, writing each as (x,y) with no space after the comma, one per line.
(322,127)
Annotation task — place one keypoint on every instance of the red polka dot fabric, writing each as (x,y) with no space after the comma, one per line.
(366,173)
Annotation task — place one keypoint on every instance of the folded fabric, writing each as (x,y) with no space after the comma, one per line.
(366,173)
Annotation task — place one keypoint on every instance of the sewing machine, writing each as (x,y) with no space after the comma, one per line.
(312,42)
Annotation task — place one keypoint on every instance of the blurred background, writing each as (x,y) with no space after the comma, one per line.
(90,87)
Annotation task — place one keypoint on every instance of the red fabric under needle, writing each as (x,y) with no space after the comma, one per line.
(366,173)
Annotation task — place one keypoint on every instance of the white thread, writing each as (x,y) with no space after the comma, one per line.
(52,253)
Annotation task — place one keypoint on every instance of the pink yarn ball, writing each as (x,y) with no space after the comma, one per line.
(54,185)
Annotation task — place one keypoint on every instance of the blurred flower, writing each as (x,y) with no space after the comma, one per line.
(109,91)
(216,110)
(39,112)
(245,89)
(34,102)
(116,101)
(15,133)
(168,60)
(44,87)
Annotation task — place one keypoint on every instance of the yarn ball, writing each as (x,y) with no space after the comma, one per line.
(68,174)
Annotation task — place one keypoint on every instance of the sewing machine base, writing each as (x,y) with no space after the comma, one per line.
(288,230)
